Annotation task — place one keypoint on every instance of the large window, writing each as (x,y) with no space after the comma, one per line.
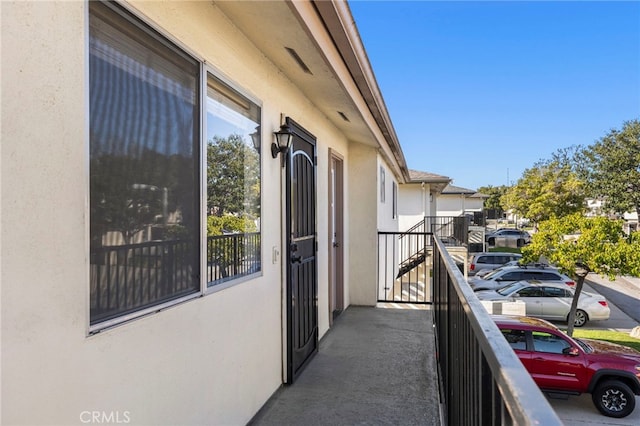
(146,170)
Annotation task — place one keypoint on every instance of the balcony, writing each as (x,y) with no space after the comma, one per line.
(375,366)
(443,361)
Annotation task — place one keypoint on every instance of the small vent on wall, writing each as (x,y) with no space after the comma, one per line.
(344,116)
(299,61)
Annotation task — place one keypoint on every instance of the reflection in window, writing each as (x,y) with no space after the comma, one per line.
(144,166)
(550,343)
(517,339)
(233,183)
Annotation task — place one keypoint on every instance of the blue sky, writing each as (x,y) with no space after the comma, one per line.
(480,91)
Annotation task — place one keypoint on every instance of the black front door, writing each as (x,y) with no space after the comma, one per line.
(302,289)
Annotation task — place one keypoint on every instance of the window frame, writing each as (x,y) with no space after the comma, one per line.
(394,200)
(207,69)
(383,185)
(131,16)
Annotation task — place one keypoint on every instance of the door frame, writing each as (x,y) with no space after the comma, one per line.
(336,234)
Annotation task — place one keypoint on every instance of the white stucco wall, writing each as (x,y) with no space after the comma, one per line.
(213,360)
(386,219)
(456,204)
(362,202)
(414,204)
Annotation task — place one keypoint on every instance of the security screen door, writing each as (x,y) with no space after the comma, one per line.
(302,291)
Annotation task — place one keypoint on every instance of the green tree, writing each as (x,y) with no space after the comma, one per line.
(549,189)
(613,168)
(219,225)
(578,245)
(495,193)
(233,177)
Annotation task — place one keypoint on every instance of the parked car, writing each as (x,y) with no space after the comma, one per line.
(562,365)
(551,301)
(505,275)
(484,271)
(490,260)
(508,237)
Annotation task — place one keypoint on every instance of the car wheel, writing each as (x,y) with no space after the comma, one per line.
(614,399)
(520,242)
(491,241)
(581,318)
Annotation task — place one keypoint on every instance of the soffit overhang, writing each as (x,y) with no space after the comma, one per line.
(340,81)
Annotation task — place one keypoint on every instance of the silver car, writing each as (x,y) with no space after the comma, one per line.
(505,275)
(551,301)
(508,237)
(490,260)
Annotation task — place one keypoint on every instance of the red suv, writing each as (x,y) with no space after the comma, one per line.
(562,365)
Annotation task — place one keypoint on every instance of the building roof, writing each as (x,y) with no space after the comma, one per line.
(437,182)
(457,190)
(426,177)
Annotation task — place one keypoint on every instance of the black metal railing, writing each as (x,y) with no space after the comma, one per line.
(132,277)
(402,276)
(232,256)
(482,381)
(451,229)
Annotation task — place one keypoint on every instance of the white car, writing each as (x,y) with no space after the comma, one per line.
(509,274)
(551,301)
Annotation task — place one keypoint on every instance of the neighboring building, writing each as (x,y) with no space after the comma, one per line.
(596,207)
(419,196)
(630,222)
(457,201)
(159,264)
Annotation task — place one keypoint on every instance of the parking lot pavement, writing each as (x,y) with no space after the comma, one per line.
(618,320)
(579,410)
(623,292)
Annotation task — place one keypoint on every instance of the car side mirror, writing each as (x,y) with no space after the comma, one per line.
(571,351)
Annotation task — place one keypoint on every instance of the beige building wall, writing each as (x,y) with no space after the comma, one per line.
(363,221)
(212,360)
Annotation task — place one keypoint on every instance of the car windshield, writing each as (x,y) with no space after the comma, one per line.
(510,288)
(492,273)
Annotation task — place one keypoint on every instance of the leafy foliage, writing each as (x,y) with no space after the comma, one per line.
(233,177)
(596,243)
(613,168)
(219,225)
(578,245)
(495,193)
(548,189)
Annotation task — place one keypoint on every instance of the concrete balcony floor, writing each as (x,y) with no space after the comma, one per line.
(376,366)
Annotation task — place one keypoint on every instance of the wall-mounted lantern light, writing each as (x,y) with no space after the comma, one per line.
(284,137)
(255,138)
